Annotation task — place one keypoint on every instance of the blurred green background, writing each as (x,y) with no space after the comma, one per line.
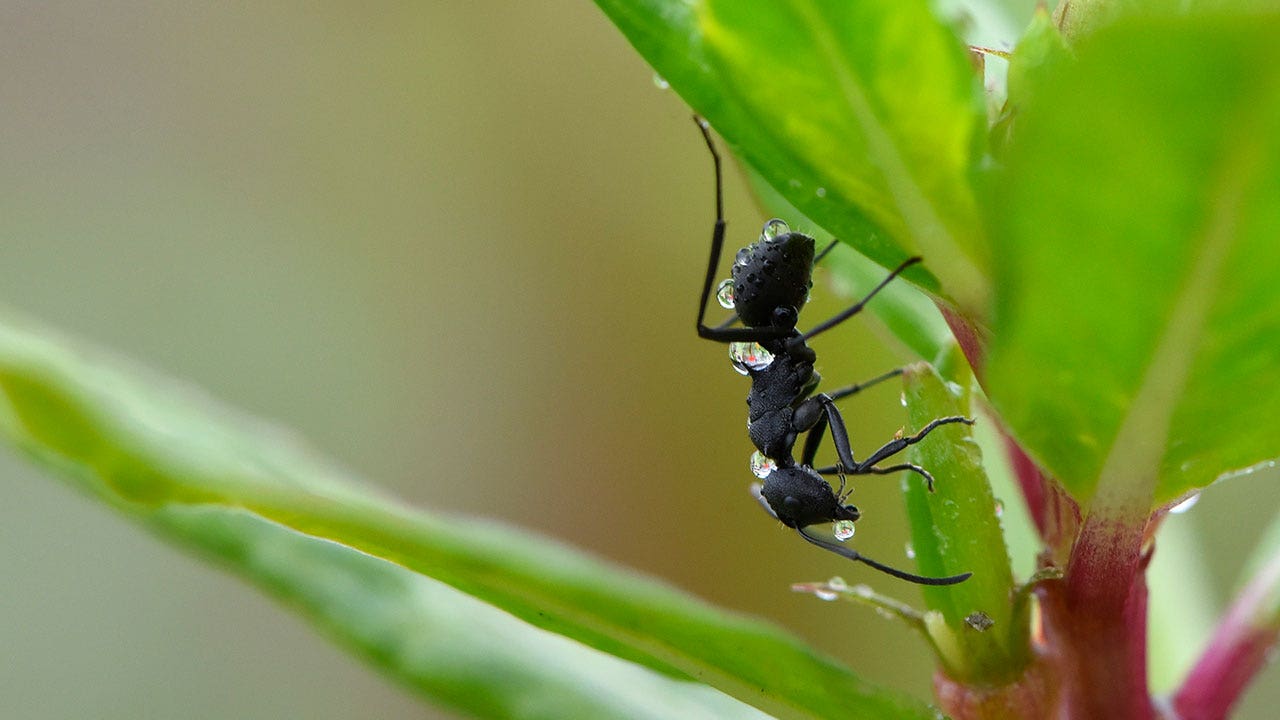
(458,247)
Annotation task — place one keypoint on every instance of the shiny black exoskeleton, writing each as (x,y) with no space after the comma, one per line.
(769,284)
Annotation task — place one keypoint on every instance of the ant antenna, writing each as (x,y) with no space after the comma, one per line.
(900,574)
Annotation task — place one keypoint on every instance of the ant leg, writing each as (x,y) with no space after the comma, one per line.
(813,440)
(728,322)
(900,574)
(845,392)
(717,234)
(894,447)
(928,478)
(857,307)
(830,416)
(831,246)
(723,333)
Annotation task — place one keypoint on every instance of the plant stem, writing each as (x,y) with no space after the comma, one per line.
(1095,621)
(1239,649)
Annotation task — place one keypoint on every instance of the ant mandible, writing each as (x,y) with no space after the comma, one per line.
(770,282)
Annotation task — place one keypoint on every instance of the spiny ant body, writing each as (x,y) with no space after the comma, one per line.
(769,284)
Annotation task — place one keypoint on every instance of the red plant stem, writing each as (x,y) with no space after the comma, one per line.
(1056,514)
(1237,652)
(1096,619)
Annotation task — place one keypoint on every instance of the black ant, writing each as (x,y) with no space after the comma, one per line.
(770,282)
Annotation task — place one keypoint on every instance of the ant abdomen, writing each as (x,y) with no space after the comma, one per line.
(800,497)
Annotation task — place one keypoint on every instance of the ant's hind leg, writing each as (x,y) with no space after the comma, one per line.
(893,447)
(912,467)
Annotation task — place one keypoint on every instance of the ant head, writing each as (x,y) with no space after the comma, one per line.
(772,277)
(800,497)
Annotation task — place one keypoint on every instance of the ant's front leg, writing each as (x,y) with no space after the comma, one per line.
(722,332)
(857,307)
(848,390)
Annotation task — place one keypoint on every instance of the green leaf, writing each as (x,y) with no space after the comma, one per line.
(956,529)
(246,493)
(863,114)
(460,651)
(1137,318)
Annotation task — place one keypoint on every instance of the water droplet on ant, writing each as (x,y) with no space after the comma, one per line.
(911,551)
(743,258)
(762,466)
(773,229)
(844,529)
(724,294)
(660,82)
(1186,504)
(749,356)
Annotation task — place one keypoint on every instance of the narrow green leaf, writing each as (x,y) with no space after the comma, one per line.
(455,649)
(863,114)
(957,529)
(1137,316)
(170,457)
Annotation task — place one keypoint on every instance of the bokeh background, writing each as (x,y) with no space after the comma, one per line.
(458,246)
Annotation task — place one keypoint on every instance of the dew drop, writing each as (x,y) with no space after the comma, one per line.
(838,584)
(1186,504)
(911,551)
(825,595)
(820,192)
(749,356)
(724,294)
(844,529)
(762,466)
(660,82)
(773,229)
(743,257)
(902,397)
(999,506)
